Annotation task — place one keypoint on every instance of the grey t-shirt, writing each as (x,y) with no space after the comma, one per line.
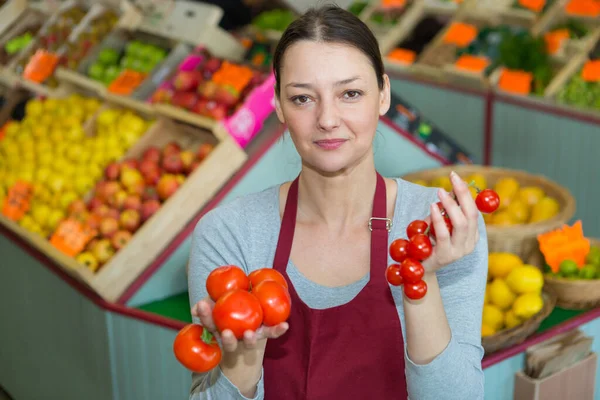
(244,232)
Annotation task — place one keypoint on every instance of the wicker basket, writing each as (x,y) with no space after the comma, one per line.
(572,294)
(518,239)
(513,336)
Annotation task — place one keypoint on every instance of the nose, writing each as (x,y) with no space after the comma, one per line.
(328,115)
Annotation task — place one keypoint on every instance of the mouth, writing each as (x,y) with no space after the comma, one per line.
(330,144)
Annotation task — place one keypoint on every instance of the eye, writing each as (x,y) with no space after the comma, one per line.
(352,94)
(300,100)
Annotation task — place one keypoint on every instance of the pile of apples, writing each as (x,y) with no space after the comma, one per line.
(200,91)
(131,192)
(51,150)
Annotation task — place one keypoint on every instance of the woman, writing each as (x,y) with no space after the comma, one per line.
(350,334)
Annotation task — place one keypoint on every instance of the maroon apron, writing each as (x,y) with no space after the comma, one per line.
(352,351)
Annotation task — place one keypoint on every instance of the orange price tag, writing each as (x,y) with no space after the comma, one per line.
(472,63)
(126,82)
(40,66)
(518,82)
(71,237)
(17,201)
(402,56)
(585,8)
(236,76)
(533,5)
(460,34)
(591,71)
(555,38)
(393,3)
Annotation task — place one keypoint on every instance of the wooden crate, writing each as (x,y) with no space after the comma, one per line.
(381,32)
(114,277)
(403,31)
(505,9)
(11,12)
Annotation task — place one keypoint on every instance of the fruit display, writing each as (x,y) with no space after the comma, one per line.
(137,56)
(422,35)
(75,51)
(512,295)
(411,252)
(52,151)
(214,88)
(273,20)
(518,204)
(581,93)
(242,302)
(130,192)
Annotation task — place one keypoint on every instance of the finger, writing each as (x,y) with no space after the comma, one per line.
(273,332)
(458,219)
(204,310)
(250,339)
(229,341)
(465,199)
(442,235)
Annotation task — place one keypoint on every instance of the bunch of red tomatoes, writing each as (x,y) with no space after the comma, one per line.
(242,302)
(409,253)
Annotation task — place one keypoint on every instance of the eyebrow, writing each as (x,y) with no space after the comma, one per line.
(309,86)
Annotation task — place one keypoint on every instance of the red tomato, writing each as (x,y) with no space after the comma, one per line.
(441,207)
(224,279)
(399,250)
(419,247)
(275,302)
(415,291)
(411,271)
(393,276)
(448,222)
(266,274)
(416,227)
(196,348)
(487,201)
(239,311)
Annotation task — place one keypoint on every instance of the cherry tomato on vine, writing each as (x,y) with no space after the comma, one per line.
(266,274)
(196,348)
(419,247)
(224,279)
(415,228)
(393,276)
(411,271)
(399,250)
(274,300)
(239,311)
(487,201)
(415,291)
(448,222)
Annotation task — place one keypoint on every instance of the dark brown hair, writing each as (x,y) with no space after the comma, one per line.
(330,24)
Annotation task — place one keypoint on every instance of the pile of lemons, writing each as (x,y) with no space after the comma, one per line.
(513,293)
(518,204)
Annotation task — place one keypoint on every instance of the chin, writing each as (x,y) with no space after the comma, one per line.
(331,165)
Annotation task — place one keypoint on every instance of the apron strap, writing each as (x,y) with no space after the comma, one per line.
(288,226)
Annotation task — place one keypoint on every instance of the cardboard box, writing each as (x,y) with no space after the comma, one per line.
(575,382)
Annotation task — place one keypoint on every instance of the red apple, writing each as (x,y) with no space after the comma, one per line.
(152,154)
(102,210)
(185,100)
(149,194)
(172,164)
(226,97)
(171,148)
(120,239)
(162,96)
(216,110)
(147,165)
(112,171)
(149,208)
(131,177)
(187,80)
(200,107)
(131,163)
(132,202)
(113,213)
(211,66)
(194,165)
(166,186)
(76,207)
(130,220)
(208,89)
(137,189)
(94,221)
(94,203)
(118,200)
(108,227)
(103,251)
(204,150)
(108,189)
(152,177)
(187,158)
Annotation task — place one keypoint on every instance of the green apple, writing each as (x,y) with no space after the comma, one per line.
(96,71)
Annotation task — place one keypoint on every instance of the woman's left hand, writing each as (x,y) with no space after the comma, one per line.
(465,233)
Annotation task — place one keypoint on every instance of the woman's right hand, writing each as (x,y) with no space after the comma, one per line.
(203,310)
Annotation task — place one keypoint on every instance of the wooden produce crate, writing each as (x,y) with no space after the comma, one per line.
(509,9)
(114,277)
(419,29)
(384,21)
(10,12)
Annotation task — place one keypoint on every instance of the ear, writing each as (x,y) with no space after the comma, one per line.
(385,96)
(278,109)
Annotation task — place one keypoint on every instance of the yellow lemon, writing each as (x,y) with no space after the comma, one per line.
(486,296)
(420,182)
(518,210)
(486,330)
(478,180)
(530,195)
(525,279)
(500,264)
(502,218)
(442,182)
(473,193)
(55,217)
(511,320)
(545,209)
(527,305)
(492,316)
(500,294)
(507,189)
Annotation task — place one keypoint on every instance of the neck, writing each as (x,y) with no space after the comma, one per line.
(339,200)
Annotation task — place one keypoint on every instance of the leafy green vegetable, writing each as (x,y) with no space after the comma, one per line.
(576,28)
(277,20)
(580,93)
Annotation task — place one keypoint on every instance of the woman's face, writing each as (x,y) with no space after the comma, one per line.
(331,103)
